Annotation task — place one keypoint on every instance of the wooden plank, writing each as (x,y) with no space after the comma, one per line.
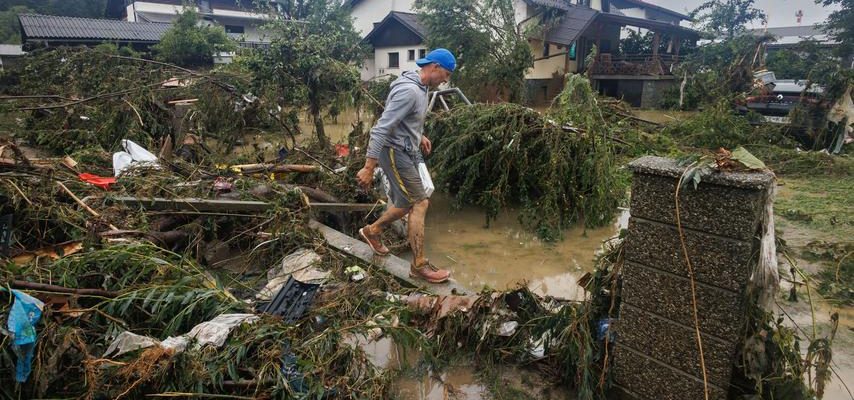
(212,205)
(392,264)
(345,207)
(191,204)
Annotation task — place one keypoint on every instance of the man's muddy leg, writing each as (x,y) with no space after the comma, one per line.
(392,214)
(416,231)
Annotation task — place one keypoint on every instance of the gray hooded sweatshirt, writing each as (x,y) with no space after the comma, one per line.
(402,122)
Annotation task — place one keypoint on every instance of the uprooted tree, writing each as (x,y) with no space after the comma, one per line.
(840,25)
(559,169)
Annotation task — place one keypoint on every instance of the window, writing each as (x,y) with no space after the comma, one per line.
(546,49)
(411,55)
(422,53)
(234,29)
(394,60)
(572,50)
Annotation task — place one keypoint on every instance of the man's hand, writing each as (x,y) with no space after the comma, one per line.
(426,146)
(365,176)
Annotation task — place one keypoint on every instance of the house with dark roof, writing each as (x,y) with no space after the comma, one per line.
(140,24)
(48,30)
(240,19)
(397,40)
(561,49)
(564,48)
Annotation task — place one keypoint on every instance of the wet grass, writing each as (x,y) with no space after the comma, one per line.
(822,203)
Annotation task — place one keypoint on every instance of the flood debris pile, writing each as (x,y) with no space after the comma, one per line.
(141,257)
(126,311)
(78,98)
(778,145)
(559,167)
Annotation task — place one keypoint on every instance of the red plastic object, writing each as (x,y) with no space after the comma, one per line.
(99,181)
(342,150)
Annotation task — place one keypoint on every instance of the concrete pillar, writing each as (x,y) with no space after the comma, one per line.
(656,355)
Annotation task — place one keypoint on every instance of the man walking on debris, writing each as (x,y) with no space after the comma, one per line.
(394,145)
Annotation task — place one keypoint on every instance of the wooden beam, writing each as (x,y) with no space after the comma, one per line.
(21,284)
(253,168)
(343,207)
(191,204)
(212,205)
(392,264)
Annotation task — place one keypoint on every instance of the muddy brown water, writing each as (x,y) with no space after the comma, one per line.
(505,254)
(502,256)
(459,382)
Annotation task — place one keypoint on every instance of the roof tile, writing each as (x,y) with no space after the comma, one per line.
(36,26)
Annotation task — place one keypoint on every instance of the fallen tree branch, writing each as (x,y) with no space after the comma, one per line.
(82,204)
(253,168)
(62,289)
(315,159)
(88,99)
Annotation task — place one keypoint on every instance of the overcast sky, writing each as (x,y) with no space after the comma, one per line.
(780,12)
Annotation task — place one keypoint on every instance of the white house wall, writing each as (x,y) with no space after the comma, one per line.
(521,11)
(368,12)
(369,69)
(634,12)
(153,8)
(546,68)
(155,12)
(157,8)
(380,61)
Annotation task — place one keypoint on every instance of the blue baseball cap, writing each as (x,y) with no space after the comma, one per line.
(440,56)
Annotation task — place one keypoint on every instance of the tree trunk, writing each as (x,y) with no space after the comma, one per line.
(318,126)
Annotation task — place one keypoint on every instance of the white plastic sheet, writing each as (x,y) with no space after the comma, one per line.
(133,155)
(213,332)
(426,179)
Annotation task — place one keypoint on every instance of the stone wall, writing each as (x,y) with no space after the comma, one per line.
(656,355)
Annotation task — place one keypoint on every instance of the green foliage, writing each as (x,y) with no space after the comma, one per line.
(716,70)
(70,8)
(492,52)
(499,155)
(123,99)
(715,127)
(310,64)
(189,42)
(9,26)
(840,25)
(726,18)
(113,49)
(771,358)
(836,278)
(637,43)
